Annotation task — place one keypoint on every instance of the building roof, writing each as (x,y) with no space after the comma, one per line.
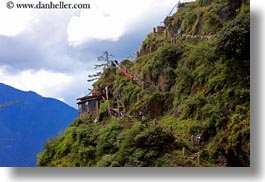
(88,98)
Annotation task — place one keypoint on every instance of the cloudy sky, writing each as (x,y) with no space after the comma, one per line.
(51,52)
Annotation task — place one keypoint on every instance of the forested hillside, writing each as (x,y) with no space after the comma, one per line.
(185,99)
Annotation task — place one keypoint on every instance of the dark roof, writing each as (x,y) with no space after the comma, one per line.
(88,98)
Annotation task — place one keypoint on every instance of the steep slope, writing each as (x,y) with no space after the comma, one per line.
(195,97)
(28,120)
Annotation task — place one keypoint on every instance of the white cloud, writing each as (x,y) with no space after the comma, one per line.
(109,20)
(46,83)
(105,20)
(13,22)
(100,27)
(42,44)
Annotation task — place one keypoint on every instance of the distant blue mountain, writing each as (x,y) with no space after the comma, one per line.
(29,120)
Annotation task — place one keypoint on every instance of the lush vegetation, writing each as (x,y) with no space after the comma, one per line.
(114,143)
(194,87)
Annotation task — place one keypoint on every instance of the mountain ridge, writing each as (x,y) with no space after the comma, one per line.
(29,92)
(29,119)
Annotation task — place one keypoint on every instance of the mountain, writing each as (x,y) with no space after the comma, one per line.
(185,98)
(27,120)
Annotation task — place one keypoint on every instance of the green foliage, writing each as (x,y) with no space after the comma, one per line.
(153,40)
(141,147)
(111,145)
(184,81)
(204,2)
(104,106)
(107,139)
(212,22)
(189,20)
(234,41)
(167,56)
(209,95)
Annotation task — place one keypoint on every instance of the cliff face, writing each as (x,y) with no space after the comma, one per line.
(190,81)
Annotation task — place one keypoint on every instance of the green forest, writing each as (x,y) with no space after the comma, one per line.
(188,104)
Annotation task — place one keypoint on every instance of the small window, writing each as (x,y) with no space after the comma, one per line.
(84,107)
(92,105)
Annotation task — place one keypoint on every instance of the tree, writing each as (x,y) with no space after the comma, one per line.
(107,63)
(105,57)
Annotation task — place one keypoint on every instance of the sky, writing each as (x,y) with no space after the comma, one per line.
(52,52)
